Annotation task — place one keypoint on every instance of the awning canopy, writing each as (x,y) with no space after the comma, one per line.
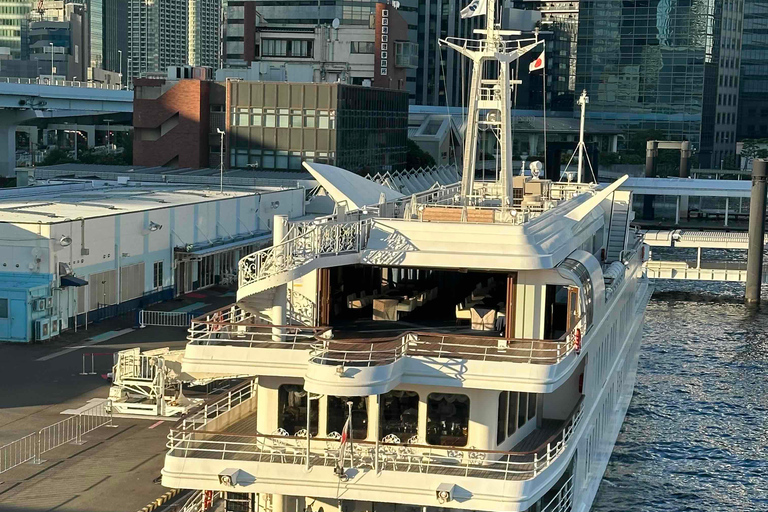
(207,250)
(72,281)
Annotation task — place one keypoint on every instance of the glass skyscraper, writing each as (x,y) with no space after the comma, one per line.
(665,65)
(753,93)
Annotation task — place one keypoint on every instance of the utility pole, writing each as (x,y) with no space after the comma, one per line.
(221,166)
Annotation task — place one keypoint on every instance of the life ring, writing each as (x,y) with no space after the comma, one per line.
(217,321)
(577,341)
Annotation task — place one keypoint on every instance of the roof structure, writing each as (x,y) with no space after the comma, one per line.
(345,186)
(56,203)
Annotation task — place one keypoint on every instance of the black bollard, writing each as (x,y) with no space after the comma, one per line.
(756,232)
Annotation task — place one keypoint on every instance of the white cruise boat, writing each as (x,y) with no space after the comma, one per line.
(483,336)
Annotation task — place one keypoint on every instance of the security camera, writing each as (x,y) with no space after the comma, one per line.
(444,493)
(228,477)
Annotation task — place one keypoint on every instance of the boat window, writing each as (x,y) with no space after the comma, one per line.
(447,419)
(582,273)
(501,425)
(338,410)
(399,414)
(556,313)
(292,409)
(515,410)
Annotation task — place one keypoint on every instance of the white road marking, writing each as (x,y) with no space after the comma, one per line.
(93,341)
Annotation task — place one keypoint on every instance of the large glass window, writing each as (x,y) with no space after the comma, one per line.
(292,409)
(399,414)
(501,425)
(447,419)
(515,410)
(338,410)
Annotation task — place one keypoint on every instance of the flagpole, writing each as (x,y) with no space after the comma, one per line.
(351,435)
(544,105)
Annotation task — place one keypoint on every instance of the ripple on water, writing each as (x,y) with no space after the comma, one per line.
(696,432)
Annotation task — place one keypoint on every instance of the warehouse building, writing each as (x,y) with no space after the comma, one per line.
(81,251)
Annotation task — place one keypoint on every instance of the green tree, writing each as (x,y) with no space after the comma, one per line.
(57,156)
(417,157)
(749,150)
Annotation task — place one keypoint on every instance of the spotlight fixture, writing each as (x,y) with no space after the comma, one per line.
(65,241)
(153,226)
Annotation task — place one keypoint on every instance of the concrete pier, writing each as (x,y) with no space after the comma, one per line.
(756,233)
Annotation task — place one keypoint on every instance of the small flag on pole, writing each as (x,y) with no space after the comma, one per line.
(537,64)
(475,8)
(344,440)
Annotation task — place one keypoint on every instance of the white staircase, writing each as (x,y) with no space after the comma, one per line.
(620,217)
(302,251)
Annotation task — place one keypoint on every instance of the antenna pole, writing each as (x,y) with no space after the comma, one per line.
(583,100)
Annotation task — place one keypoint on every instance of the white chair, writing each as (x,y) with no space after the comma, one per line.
(332,447)
(391,453)
(300,450)
(406,305)
(414,455)
(278,447)
(462,313)
(485,321)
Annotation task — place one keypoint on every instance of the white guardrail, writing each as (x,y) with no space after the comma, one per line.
(60,83)
(200,501)
(69,430)
(165,318)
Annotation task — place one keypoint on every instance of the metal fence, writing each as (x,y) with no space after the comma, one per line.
(201,501)
(69,430)
(61,83)
(165,318)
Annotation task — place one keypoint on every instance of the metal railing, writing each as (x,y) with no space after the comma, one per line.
(61,83)
(236,327)
(304,242)
(69,430)
(200,501)
(164,318)
(563,500)
(362,353)
(214,408)
(377,456)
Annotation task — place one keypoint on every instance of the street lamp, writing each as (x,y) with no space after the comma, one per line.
(109,148)
(221,166)
(51,44)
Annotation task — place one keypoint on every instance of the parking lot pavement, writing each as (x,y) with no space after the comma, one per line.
(115,469)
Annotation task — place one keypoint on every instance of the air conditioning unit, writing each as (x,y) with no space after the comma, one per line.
(54,326)
(42,329)
(39,304)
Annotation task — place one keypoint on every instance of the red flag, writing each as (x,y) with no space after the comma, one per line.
(344,439)
(537,64)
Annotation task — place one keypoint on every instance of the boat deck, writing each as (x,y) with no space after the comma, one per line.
(240,441)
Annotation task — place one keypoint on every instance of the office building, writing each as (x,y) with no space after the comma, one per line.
(669,67)
(269,126)
(115,36)
(13,13)
(164,33)
(753,85)
(379,54)
(58,42)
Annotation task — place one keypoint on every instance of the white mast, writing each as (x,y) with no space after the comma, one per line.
(493,96)
(583,100)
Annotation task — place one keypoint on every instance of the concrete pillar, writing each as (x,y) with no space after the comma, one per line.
(614,143)
(90,134)
(685,154)
(756,232)
(8,150)
(280,302)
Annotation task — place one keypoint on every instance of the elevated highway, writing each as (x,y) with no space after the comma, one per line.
(23,99)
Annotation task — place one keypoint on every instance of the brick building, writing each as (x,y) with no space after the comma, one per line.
(269,126)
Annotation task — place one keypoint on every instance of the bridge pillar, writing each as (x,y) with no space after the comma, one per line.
(280,301)
(9,121)
(756,232)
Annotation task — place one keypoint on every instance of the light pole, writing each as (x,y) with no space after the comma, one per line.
(51,44)
(120,52)
(128,82)
(221,166)
(109,148)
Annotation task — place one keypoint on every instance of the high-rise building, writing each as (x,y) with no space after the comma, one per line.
(753,86)
(665,66)
(58,41)
(114,37)
(164,33)
(13,14)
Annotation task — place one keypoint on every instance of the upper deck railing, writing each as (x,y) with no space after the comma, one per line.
(413,456)
(244,330)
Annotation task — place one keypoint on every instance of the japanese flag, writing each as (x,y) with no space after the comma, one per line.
(344,440)
(537,64)
(475,8)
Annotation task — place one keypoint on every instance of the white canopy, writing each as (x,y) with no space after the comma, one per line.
(347,187)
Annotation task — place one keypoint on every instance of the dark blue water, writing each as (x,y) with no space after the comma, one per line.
(696,433)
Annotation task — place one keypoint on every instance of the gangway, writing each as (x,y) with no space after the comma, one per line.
(148,383)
